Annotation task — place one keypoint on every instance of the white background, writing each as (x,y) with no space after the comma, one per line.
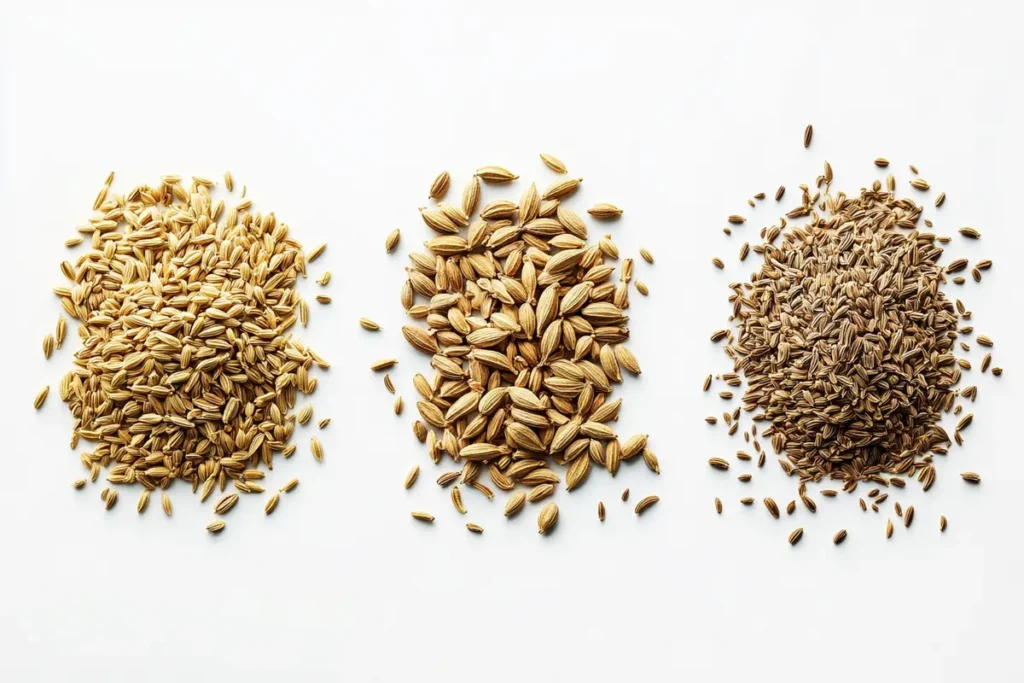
(337,116)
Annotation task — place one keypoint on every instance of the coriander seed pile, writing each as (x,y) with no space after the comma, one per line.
(525,326)
(187,369)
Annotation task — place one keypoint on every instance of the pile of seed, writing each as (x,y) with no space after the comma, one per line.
(525,327)
(847,341)
(187,369)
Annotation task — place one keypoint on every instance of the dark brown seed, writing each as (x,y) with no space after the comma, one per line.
(790,507)
(772,507)
(908,516)
(898,508)
(779,192)
(808,134)
(747,501)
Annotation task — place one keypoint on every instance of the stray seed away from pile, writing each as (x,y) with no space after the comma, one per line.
(188,369)
(525,327)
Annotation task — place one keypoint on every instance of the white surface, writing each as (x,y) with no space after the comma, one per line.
(337,119)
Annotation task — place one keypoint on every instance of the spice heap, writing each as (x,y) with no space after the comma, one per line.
(846,341)
(526,330)
(187,369)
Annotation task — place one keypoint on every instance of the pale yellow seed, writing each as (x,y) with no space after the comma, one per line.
(398,405)
(216,527)
(271,503)
(41,397)
(604,210)
(422,516)
(440,185)
(548,518)
(553,163)
(392,240)
(411,477)
(61,332)
(383,364)
(305,413)
(229,181)
(48,343)
(292,483)
(143,502)
(316,253)
(78,483)
(646,255)
(641,287)
(368,324)
(475,528)
(165,503)
(73,242)
(317,449)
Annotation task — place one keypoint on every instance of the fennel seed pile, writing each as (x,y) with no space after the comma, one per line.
(187,369)
(847,342)
(525,326)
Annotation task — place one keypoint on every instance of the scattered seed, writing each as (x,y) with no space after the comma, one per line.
(808,133)
(548,518)
(797,533)
(423,516)
(553,163)
(971,477)
(645,503)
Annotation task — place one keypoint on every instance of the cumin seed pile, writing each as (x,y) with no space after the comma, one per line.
(187,369)
(847,342)
(525,327)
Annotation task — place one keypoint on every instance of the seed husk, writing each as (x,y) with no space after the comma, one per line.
(796,535)
(645,503)
(548,518)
